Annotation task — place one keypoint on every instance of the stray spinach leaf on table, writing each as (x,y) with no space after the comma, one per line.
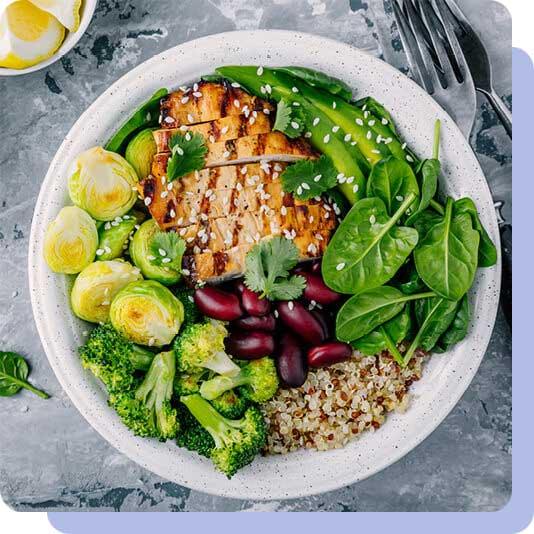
(267,270)
(447,257)
(368,247)
(188,154)
(309,178)
(14,373)
(392,180)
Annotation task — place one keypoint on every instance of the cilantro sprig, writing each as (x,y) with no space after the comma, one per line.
(309,178)
(188,154)
(289,119)
(167,250)
(267,270)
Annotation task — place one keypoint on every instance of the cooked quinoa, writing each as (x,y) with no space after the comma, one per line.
(337,403)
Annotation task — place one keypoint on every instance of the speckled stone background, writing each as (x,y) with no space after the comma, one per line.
(50,458)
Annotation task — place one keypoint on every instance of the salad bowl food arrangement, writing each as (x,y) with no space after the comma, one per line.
(252,259)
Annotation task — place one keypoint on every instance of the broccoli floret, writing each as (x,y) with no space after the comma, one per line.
(192,435)
(237,442)
(188,384)
(191,312)
(231,405)
(257,381)
(146,409)
(113,359)
(201,346)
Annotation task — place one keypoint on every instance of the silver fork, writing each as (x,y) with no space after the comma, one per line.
(418,23)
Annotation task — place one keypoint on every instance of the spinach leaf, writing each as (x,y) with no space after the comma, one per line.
(13,376)
(392,180)
(458,328)
(447,257)
(145,116)
(408,280)
(368,247)
(391,332)
(321,80)
(428,177)
(378,110)
(363,313)
(423,221)
(487,253)
(434,315)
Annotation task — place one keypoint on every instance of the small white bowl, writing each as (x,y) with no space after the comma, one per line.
(86,14)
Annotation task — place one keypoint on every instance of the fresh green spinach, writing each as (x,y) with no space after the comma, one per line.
(14,373)
(363,313)
(458,328)
(447,257)
(368,247)
(378,110)
(392,180)
(487,253)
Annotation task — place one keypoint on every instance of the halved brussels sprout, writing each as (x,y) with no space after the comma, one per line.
(114,235)
(103,183)
(141,254)
(140,152)
(71,241)
(96,286)
(147,313)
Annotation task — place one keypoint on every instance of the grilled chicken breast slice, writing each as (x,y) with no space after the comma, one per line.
(208,101)
(225,129)
(273,146)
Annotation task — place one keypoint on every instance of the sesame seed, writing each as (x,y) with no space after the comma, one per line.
(350,179)
(326,138)
(372,122)
(316,121)
(366,114)
(276,314)
(369,134)
(340,266)
(295,89)
(409,158)
(99,252)
(295,125)
(259,72)
(164,194)
(404,145)
(190,118)
(188,136)
(318,177)
(148,201)
(305,186)
(235,84)
(372,219)
(385,122)
(172,213)
(359,122)
(168,120)
(162,252)
(335,129)
(399,198)
(268,88)
(169,186)
(187,272)
(290,305)
(197,94)
(236,103)
(151,258)
(179,150)
(226,154)
(185,100)
(334,105)
(347,138)
(283,210)
(375,151)
(299,190)
(267,111)
(308,135)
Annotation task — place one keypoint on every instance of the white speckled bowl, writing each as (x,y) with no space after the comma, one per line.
(303,473)
(71,38)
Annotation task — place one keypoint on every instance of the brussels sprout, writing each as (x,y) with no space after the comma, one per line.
(140,152)
(141,254)
(147,313)
(71,241)
(114,235)
(96,286)
(103,183)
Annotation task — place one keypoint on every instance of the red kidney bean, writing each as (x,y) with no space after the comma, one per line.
(249,345)
(267,323)
(324,321)
(291,362)
(252,303)
(316,267)
(301,321)
(218,304)
(328,354)
(318,291)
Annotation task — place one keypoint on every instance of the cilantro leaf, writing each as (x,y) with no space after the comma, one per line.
(267,270)
(166,250)
(188,154)
(309,178)
(289,119)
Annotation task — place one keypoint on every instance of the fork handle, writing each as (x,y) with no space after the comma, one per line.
(504,114)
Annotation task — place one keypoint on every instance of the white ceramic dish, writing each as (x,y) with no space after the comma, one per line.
(86,14)
(303,473)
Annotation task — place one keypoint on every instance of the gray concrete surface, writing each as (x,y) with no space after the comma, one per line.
(50,458)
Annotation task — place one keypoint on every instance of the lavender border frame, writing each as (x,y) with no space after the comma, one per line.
(513,517)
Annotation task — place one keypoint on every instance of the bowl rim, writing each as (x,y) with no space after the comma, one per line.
(71,39)
(130,449)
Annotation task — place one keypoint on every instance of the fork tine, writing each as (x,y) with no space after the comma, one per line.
(411,48)
(432,23)
(450,26)
(460,20)
(418,28)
